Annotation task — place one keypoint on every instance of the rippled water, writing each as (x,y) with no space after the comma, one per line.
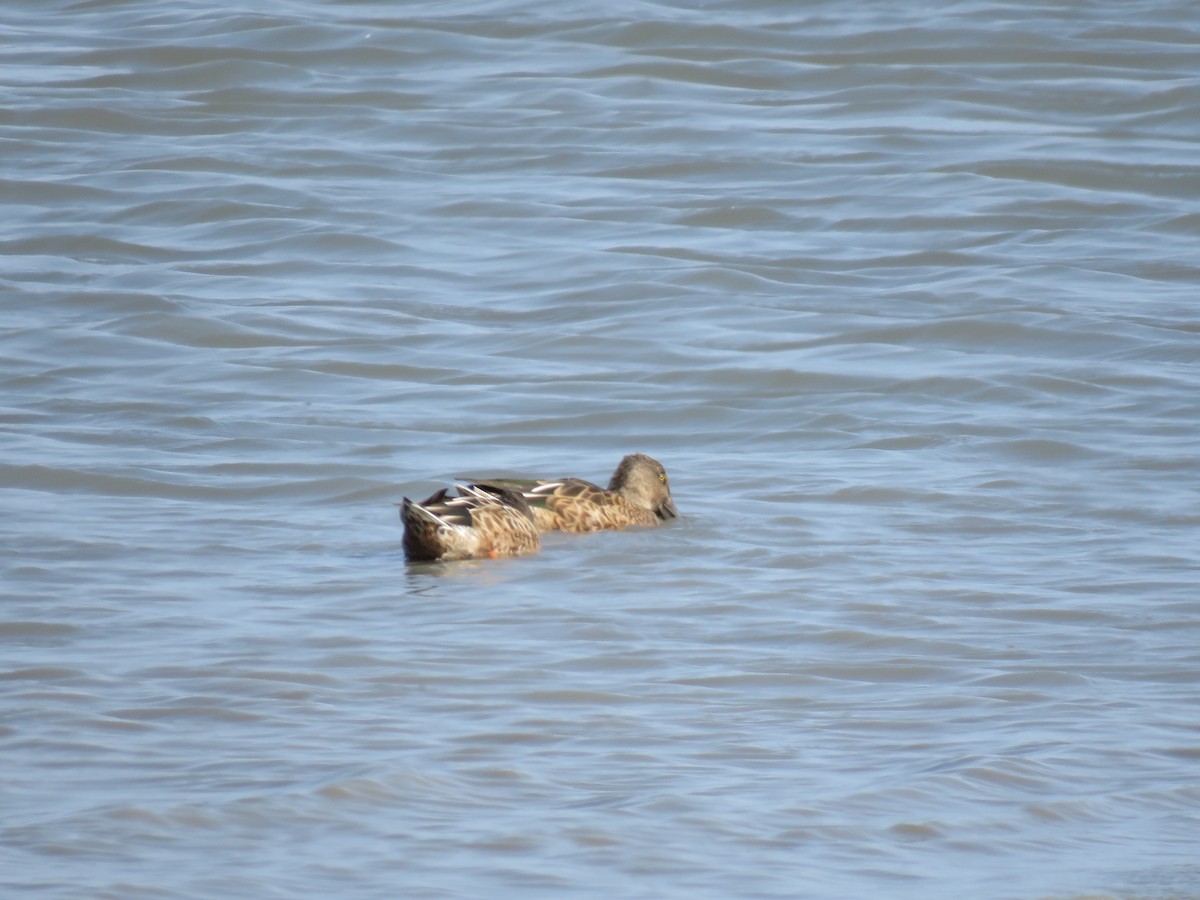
(906,301)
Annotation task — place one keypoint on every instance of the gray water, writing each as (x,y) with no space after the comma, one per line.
(906,300)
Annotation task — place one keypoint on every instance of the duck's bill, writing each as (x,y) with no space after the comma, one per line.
(668,510)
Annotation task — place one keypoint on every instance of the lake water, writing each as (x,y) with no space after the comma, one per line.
(907,300)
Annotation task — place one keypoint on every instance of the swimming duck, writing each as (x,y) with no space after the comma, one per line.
(638,494)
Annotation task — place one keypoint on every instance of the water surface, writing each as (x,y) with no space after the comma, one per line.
(905,300)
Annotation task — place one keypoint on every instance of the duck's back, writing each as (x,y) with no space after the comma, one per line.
(579,506)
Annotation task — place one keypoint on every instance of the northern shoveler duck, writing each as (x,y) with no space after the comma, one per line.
(638,494)
(483,520)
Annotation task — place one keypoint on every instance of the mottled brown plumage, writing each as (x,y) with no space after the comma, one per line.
(638,494)
(482,521)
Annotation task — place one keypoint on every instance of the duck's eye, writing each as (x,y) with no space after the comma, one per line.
(662,476)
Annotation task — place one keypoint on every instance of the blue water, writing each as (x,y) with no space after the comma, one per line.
(905,301)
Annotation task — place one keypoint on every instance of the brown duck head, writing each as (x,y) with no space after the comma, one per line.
(643,481)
